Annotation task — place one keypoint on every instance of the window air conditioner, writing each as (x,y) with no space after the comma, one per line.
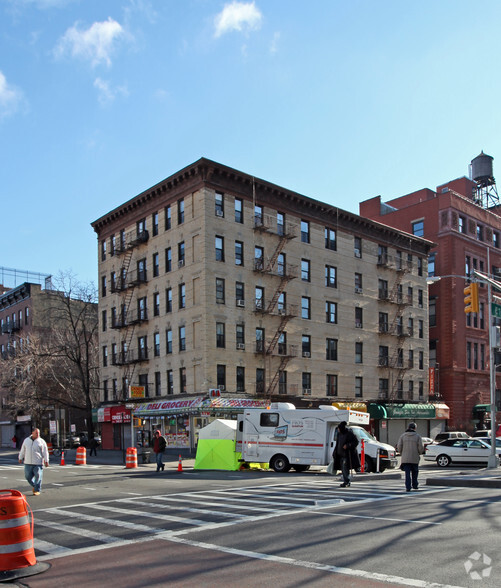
(306,391)
(240,345)
(180,263)
(222,388)
(219,213)
(358,325)
(358,253)
(306,354)
(358,290)
(281,311)
(241,303)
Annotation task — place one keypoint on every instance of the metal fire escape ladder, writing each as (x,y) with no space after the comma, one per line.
(399,300)
(125,308)
(276,377)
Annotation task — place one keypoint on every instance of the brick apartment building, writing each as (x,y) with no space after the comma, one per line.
(213,280)
(467,237)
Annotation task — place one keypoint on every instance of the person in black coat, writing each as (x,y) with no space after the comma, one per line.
(345,453)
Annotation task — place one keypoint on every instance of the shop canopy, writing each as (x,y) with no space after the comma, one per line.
(216,447)
(403,411)
(480,409)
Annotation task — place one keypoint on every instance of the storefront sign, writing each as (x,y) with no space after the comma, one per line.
(136,391)
(169,405)
(410,411)
(360,406)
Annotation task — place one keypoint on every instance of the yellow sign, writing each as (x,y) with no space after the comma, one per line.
(136,391)
(360,406)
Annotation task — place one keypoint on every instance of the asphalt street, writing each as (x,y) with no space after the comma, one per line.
(103,523)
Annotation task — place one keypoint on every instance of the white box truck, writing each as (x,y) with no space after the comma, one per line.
(286,437)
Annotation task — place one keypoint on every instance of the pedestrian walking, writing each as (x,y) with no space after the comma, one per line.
(410,446)
(35,455)
(159,445)
(345,453)
(93,446)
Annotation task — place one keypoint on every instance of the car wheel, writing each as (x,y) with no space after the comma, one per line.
(443,461)
(369,466)
(280,464)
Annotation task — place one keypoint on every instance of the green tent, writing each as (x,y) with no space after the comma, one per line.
(216,447)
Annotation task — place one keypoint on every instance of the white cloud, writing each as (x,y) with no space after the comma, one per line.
(10,98)
(237,16)
(274,43)
(94,44)
(107,94)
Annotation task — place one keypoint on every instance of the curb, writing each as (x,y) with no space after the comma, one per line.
(465,482)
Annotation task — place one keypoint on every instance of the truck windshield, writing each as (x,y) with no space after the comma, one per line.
(363,434)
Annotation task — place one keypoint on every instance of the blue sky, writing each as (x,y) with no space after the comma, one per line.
(339,101)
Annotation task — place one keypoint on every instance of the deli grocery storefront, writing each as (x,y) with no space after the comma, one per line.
(389,421)
(181,420)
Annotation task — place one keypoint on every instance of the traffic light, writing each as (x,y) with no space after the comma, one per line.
(471,298)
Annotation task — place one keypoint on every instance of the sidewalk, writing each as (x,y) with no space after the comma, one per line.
(483,478)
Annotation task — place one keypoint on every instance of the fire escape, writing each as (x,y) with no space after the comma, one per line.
(128,318)
(395,362)
(276,346)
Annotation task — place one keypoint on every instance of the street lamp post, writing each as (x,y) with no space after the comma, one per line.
(493,461)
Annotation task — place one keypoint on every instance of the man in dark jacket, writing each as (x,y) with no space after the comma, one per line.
(159,445)
(345,453)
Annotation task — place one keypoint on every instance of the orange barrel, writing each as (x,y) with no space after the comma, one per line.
(50,448)
(16,532)
(81,456)
(131,458)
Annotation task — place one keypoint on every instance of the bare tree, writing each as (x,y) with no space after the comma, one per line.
(58,364)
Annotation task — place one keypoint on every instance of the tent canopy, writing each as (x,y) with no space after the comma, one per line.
(216,447)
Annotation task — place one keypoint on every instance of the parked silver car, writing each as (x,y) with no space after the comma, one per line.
(473,451)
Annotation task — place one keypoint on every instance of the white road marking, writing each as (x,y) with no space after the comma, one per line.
(312,565)
(80,532)
(149,514)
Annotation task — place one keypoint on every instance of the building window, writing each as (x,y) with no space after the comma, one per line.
(359,387)
(306,383)
(420,328)
(331,349)
(258,258)
(359,356)
(357,246)
(259,340)
(182,338)
(239,211)
(462,224)
(410,295)
(219,243)
(220,335)
(420,298)
(240,336)
(113,246)
(305,270)
(330,276)
(142,308)
(156,265)
(306,345)
(358,284)
(240,293)
(168,300)
(219,204)
(182,295)
(105,391)
(431,264)
(170,382)
(103,286)
(495,239)
(330,239)
(239,253)
(103,250)
(383,289)
(282,344)
(258,215)
(383,356)
(105,355)
(182,380)
(281,264)
(410,327)
(156,344)
(220,291)
(181,254)
(221,376)
(141,228)
(418,228)
(480,233)
(259,297)
(180,211)
(168,218)
(282,382)
(142,347)
(168,260)
(432,309)
(305,231)
(260,374)
(280,224)
(420,266)
(103,321)
(168,341)
(331,385)
(240,379)
(421,360)
(154,223)
(158,384)
(383,388)
(331,312)
(305,307)
(156,303)
(359,317)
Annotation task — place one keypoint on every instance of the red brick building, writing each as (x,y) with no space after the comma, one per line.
(467,237)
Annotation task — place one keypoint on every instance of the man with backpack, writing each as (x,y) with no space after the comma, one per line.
(345,453)
(159,445)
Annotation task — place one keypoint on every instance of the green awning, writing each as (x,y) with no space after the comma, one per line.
(376,411)
(410,411)
(479,409)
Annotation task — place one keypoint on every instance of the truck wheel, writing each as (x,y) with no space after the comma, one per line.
(280,464)
(301,468)
(370,466)
(443,460)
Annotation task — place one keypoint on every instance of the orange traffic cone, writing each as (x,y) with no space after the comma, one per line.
(62,458)
(180,465)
